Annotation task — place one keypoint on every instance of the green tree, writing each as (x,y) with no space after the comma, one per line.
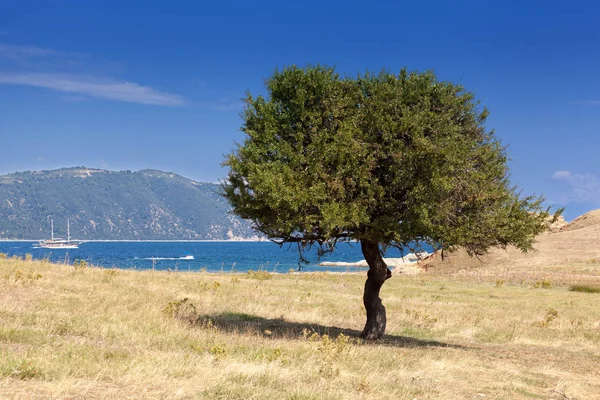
(383,159)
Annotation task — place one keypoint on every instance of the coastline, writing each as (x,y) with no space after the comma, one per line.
(151,240)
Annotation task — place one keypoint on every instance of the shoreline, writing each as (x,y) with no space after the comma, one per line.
(150,240)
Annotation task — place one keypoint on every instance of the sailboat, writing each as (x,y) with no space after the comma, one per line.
(58,243)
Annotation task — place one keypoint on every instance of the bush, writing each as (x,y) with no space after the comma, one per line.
(181,309)
(585,289)
(544,284)
(260,275)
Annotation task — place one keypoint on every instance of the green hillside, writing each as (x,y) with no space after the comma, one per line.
(108,205)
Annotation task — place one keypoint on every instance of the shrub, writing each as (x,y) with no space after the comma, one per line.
(550,316)
(80,264)
(20,277)
(109,274)
(585,289)
(181,309)
(24,370)
(218,351)
(545,284)
(260,275)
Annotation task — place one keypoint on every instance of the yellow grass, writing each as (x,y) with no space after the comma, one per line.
(90,333)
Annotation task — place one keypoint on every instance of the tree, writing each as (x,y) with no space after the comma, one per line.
(383,159)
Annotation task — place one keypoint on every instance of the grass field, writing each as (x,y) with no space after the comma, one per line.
(78,332)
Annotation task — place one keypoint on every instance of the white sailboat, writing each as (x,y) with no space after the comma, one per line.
(58,243)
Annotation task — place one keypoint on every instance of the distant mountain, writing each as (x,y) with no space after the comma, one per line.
(108,205)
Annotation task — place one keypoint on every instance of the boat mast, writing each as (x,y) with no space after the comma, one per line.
(52,228)
(68,232)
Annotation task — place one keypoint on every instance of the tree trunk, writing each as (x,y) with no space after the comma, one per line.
(377,275)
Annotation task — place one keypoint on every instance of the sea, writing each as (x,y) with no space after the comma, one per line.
(213,256)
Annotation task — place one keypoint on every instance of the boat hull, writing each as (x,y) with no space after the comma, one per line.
(58,246)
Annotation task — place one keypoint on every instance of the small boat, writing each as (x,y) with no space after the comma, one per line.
(186,256)
(58,243)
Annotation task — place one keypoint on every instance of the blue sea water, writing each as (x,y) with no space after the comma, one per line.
(214,256)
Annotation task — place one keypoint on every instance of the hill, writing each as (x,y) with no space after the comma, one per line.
(109,205)
(575,242)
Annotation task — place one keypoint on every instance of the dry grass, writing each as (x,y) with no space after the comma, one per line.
(90,333)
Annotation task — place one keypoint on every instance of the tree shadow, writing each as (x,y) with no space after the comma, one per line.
(234,322)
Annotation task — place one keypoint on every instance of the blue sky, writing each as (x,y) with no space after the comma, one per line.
(139,84)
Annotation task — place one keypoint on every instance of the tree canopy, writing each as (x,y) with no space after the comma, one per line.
(384,159)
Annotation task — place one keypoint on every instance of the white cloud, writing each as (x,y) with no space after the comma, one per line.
(561,175)
(72,73)
(95,87)
(22,53)
(585,187)
(38,58)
